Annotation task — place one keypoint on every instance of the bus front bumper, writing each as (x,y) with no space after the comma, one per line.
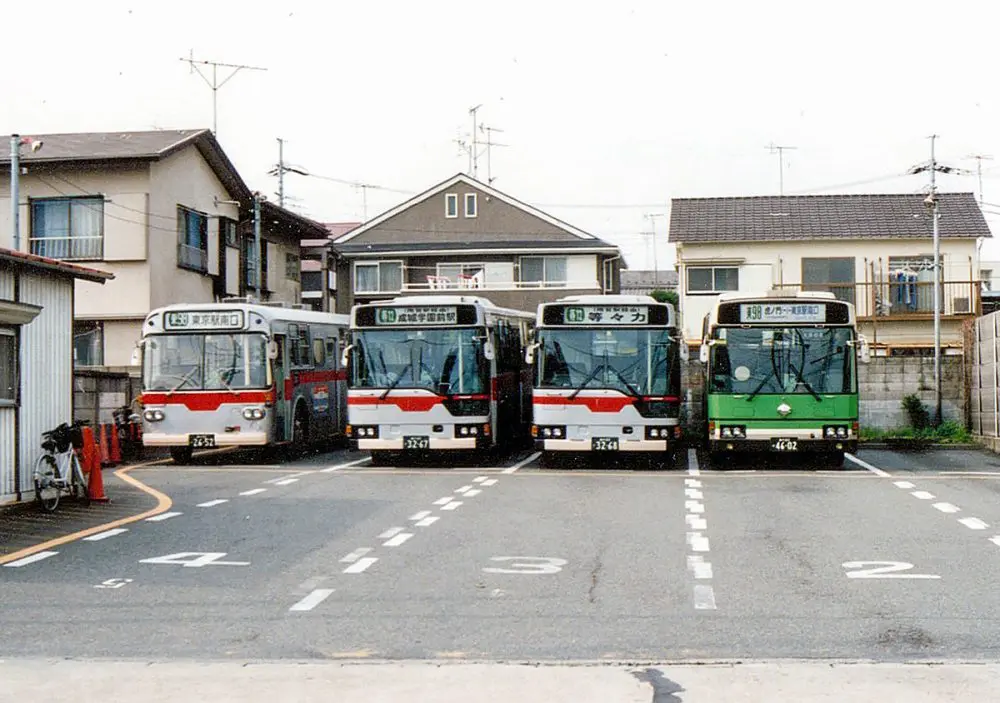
(769,446)
(235,439)
(434,444)
(584,445)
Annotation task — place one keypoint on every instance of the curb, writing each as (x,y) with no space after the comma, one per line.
(917,447)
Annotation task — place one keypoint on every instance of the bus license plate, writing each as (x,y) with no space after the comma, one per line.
(201,440)
(416,442)
(785,444)
(604,444)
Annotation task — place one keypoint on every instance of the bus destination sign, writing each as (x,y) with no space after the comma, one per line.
(606,315)
(422,315)
(783,312)
(208,320)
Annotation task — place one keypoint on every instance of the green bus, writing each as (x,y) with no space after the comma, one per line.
(781,375)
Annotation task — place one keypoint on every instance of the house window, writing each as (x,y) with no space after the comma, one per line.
(292,267)
(543,270)
(192,240)
(378,277)
(312,281)
(227,232)
(88,343)
(8,366)
(68,228)
(835,275)
(451,205)
(471,209)
(712,279)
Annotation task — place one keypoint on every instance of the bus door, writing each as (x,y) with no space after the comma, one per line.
(282,387)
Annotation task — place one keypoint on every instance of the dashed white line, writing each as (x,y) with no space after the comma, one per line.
(349,464)
(398,540)
(947,507)
(213,503)
(391,532)
(463,489)
(162,517)
(864,464)
(479,479)
(519,464)
(699,567)
(31,559)
(704,597)
(973,523)
(355,555)
(421,515)
(697,541)
(490,482)
(428,521)
(104,535)
(922,495)
(473,493)
(452,505)
(278,481)
(694,493)
(995,540)
(904,484)
(285,482)
(692,483)
(253,492)
(693,462)
(696,522)
(693,506)
(442,501)
(360,565)
(312,600)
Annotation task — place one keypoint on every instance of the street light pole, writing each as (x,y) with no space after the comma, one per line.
(257,245)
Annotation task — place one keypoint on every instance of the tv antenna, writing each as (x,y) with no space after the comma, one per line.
(780,151)
(489,146)
(214,84)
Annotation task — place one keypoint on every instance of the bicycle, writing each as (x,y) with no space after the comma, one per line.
(58,469)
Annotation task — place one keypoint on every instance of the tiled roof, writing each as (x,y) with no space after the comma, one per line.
(42,262)
(459,248)
(106,145)
(807,217)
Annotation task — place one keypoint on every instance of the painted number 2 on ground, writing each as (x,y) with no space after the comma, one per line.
(883,570)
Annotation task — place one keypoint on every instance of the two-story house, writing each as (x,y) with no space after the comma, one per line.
(875,251)
(464,236)
(319,267)
(164,211)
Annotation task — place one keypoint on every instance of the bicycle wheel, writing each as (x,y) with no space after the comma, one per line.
(80,487)
(46,476)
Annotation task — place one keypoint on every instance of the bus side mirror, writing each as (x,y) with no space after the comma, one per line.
(866,355)
(529,353)
(488,350)
(345,356)
(685,352)
(136,359)
(703,352)
(272,350)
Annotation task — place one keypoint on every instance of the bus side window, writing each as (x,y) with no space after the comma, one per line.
(331,352)
(319,352)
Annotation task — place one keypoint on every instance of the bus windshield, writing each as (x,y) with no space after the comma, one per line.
(634,361)
(445,361)
(173,362)
(788,360)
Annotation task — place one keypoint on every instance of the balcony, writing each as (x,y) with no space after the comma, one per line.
(68,248)
(911,300)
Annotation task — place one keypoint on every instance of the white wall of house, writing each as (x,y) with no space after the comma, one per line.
(766,264)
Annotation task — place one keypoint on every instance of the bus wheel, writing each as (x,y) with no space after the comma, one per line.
(300,431)
(181,455)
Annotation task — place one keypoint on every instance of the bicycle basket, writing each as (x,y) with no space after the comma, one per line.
(76,436)
(62,438)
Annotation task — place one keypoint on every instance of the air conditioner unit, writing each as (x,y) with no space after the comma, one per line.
(961,305)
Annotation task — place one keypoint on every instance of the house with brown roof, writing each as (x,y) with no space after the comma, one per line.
(165,211)
(463,235)
(875,251)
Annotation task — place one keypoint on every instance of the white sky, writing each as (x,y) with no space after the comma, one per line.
(625,106)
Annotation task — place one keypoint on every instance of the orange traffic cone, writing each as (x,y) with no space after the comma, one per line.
(105,450)
(116,450)
(89,450)
(95,483)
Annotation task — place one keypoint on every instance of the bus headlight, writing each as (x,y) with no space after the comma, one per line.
(153,415)
(734,431)
(254,413)
(366,431)
(835,431)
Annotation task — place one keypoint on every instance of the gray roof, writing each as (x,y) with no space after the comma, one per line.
(589,245)
(107,145)
(808,217)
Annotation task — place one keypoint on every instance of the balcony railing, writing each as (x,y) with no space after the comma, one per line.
(467,283)
(192,257)
(902,300)
(68,248)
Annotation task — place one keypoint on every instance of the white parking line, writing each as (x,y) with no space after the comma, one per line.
(452,505)
(473,493)
(31,559)
(463,489)
(443,501)
(285,482)
(161,517)
(348,465)
(947,507)
(490,482)
(360,565)
(398,540)
(421,515)
(704,597)
(213,503)
(428,521)
(864,464)
(104,535)
(312,600)
(479,479)
(904,484)
(973,523)
(693,463)
(520,464)
(355,555)
(922,495)
(391,532)
(253,492)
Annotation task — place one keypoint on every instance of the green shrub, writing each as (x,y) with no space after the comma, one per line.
(919,417)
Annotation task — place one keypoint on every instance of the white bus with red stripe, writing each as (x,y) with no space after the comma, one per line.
(606,375)
(241,374)
(436,373)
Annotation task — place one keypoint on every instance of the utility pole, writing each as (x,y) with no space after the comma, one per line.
(475,144)
(16,142)
(214,84)
(656,261)
(281,172)
(780,150)
(257,197)
(937,286)
(489,145)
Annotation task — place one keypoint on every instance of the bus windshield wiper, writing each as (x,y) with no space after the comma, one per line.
(395,383)
(621,377)
(804,382)
(759,387)
(591,377)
